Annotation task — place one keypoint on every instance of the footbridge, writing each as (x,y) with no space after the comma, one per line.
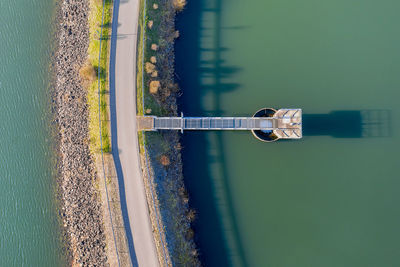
(266,124)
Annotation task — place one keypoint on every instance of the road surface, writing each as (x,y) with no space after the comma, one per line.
(124,133)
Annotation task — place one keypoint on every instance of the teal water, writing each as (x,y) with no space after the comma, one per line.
(29,234)
(330,199)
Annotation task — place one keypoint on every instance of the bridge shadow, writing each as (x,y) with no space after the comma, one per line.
(201,74)
(348,124)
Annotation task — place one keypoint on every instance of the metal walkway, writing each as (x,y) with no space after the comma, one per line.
(213,123)
(285,123)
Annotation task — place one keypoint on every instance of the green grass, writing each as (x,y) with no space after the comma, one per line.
(148,101)
(152,36)
(93,57)
(139,74)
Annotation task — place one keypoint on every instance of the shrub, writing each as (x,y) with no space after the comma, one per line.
(149,67)
(154,86)
(154,47)
(179,5)
(191,215)
(164,160)
(154,74)
(88,73)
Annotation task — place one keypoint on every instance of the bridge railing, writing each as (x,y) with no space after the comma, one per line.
(214,123)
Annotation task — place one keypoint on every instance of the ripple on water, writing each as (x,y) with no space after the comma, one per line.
(29,232)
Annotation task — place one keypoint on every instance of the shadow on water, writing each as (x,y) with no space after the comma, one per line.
(348,124)
(200,71)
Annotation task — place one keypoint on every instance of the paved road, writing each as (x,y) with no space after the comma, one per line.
(124,133)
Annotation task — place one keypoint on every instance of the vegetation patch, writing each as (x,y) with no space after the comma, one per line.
(179,5)
(156,95)
(100,69)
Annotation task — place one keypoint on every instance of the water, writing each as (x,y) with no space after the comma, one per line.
(330,199)
(29,233)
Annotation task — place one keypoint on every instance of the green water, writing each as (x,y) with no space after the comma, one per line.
(330,199)
(29,234)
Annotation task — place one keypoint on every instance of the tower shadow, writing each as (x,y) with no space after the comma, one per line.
(348,124)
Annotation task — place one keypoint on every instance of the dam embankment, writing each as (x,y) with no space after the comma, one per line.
(81,211)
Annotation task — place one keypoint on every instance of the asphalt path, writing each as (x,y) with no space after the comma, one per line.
(124,133)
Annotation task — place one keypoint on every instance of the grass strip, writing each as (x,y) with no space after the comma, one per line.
(96,7)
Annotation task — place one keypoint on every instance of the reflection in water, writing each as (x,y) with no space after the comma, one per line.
(337,204)
(203,76)
(348,124)
(204,71)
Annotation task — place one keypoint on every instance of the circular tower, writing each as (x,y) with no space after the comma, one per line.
(265,135)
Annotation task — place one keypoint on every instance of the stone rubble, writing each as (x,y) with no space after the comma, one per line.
(81,210)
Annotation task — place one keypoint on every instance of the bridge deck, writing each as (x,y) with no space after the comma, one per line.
(214,123)
(286,123)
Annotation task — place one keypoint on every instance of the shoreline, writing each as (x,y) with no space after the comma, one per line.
(161,160)
(81,211)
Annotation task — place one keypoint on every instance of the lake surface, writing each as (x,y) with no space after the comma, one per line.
(330,199)
(29,229)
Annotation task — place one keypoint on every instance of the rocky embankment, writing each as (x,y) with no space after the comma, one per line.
(81,211)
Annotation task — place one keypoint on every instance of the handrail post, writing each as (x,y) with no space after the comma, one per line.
(182,122)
